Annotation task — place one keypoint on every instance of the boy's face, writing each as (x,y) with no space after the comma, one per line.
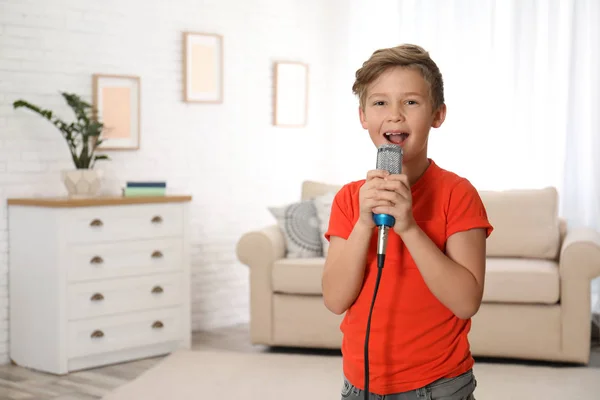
(398,109)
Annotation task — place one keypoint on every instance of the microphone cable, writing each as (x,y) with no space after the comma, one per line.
(380,261)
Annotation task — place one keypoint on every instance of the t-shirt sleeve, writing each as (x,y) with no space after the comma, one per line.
(341,219)
(466,210)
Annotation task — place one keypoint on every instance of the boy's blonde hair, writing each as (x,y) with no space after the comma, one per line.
(406,55)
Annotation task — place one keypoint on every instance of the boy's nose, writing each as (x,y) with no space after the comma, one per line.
(396,115)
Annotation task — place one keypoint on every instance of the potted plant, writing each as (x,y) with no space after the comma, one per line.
(83,138)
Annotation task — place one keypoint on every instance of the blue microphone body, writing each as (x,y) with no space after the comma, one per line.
(384,220)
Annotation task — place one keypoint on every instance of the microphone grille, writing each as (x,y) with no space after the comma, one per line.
(389,158)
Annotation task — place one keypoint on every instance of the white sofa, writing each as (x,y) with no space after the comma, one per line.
(536,303)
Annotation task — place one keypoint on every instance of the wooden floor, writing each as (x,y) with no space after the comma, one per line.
(18,383)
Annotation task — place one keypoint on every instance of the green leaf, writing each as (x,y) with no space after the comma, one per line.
(99,157)
(94,128)
(22,103)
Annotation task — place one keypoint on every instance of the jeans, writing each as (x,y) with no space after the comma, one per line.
(458,388)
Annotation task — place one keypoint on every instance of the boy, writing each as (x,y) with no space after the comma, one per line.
(433,278)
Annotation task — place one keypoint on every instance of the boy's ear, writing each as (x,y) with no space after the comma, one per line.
(439,116)
(363,117)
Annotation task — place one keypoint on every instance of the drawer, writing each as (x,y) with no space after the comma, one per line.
(115,296)
(140,257)
(124,331)
(114,223)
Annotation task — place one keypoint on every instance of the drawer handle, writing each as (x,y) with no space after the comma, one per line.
(96,222)
(157,254)
(157,325)
(97,334)
(157,289)
(157,219)
(97,297)
(96,260)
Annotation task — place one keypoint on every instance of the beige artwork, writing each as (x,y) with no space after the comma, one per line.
(202,67)
(116,108)
(204,76)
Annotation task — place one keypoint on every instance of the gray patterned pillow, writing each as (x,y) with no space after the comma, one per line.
(300,226)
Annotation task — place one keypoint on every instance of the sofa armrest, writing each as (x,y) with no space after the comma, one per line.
(580,255)
(579,263)
(259,250)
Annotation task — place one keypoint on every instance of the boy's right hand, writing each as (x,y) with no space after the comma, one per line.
(367,197)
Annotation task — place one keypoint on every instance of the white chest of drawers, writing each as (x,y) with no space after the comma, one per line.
(97,281)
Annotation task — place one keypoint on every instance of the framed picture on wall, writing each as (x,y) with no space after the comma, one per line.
(202,67)
(290,98)
(116,99)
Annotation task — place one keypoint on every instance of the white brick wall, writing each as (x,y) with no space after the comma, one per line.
(227,156)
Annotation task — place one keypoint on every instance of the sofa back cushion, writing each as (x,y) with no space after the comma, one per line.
(525,222)
(312,189)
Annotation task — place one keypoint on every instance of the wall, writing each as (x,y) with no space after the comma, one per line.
(228,156)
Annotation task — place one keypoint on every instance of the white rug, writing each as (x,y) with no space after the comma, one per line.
(209,374)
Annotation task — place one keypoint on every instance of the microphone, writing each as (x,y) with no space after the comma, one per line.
(389,158)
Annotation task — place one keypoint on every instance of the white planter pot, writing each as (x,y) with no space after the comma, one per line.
(82,182)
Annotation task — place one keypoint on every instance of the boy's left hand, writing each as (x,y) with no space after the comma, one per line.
(395,188)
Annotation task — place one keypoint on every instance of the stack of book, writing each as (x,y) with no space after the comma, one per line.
(137,189)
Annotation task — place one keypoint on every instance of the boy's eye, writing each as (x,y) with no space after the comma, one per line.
(411,102)
(379,103)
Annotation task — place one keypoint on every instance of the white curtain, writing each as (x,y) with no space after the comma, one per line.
(522,89)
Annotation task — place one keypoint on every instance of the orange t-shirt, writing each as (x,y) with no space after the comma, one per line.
(414,338)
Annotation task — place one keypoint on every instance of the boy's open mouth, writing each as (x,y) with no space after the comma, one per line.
(396,137)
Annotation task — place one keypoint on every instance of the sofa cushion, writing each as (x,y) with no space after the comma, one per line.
(508,280)
(299,276)
(514,280)
(312,189)
(526,223)
(323,205)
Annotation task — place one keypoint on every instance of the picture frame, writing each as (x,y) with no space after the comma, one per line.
(290,97)
(202,67)
(116,101)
